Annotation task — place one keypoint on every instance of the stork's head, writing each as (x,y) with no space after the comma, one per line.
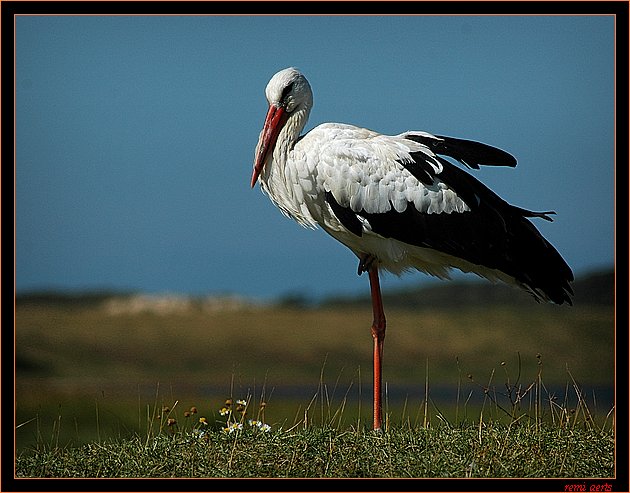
(288,92)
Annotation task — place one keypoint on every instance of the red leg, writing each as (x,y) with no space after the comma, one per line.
(378,334)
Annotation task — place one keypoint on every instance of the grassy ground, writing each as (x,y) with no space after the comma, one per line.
(95,375)
(237,443)
(475,451)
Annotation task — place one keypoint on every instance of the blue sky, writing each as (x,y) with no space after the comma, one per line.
(135,138)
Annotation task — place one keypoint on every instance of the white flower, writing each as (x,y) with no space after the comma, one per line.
(198,433)
(234,427)
(242,402)
(265,427)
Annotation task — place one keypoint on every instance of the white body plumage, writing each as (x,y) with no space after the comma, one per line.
(362,170)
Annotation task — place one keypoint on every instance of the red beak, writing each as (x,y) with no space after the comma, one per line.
(275,120)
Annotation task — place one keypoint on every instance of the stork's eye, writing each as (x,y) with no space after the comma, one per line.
(286,91)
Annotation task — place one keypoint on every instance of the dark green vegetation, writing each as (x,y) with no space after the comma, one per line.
(478,382)
(471,451)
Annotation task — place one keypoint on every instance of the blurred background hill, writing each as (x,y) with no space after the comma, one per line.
(596,288)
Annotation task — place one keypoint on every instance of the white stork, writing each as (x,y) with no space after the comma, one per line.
(398,205)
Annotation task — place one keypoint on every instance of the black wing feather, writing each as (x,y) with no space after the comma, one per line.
(348,218)
(468,152)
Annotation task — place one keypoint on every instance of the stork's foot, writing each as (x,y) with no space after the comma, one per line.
(366,261)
